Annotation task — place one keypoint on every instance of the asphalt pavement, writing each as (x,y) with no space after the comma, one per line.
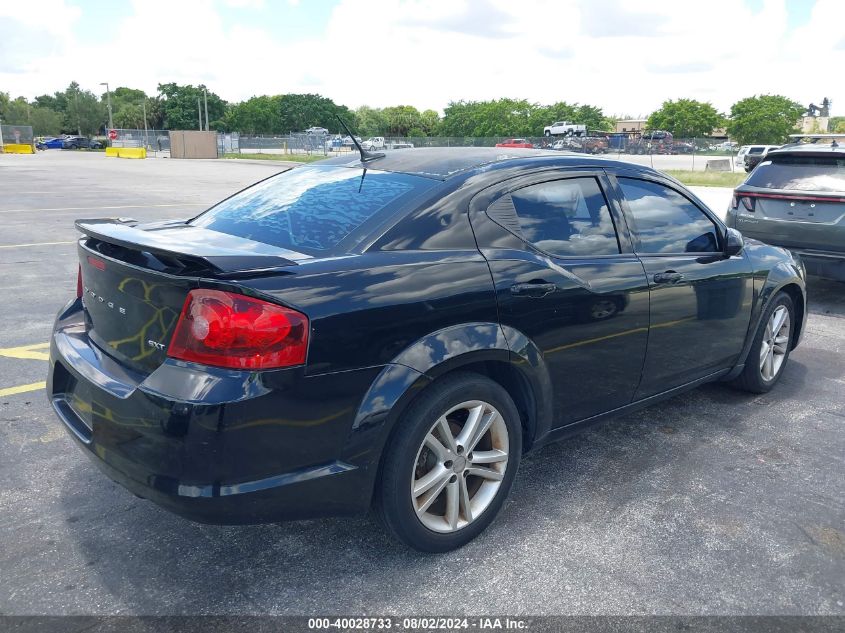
(715,502)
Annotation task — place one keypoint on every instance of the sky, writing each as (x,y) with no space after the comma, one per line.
(626,56)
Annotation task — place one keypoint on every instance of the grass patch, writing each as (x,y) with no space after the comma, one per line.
(708,178)
(293,158)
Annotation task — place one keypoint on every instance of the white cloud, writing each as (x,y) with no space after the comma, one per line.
(624,55)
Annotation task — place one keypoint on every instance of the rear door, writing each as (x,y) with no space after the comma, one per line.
(566,280)
(700,300)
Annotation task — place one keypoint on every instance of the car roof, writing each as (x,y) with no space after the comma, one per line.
(809,149)
(442,163)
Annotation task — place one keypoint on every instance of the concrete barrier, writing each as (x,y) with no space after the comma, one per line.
(126,152)
(18,148)
(720,164)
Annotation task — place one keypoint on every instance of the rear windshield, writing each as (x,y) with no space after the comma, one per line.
(313,209)
(800,173)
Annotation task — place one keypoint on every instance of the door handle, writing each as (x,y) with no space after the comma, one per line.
(533,289)
(668,277)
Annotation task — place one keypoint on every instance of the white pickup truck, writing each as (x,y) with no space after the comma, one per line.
(562,127)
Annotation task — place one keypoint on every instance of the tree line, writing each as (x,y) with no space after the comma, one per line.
(758,119)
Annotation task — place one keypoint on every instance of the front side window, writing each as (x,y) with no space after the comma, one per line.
(664,221)
(565,217)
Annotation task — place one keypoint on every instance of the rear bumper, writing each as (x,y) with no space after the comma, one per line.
(216,446)
(822,263)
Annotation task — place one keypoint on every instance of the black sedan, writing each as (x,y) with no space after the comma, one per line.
(396,331)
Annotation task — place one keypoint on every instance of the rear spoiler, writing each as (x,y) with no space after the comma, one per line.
(219,253)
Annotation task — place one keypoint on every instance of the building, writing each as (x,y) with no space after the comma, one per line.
(630,125)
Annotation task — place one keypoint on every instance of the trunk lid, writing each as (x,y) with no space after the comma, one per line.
(136,278)
(795,220)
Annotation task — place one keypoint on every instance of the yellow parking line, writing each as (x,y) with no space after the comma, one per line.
(34,244)
(27,352)
(11,391)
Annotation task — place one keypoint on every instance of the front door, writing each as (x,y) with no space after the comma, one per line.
(700,300)
(565,280)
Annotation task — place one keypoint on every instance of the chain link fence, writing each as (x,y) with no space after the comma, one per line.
(16,134)
(658,149)
(152,140)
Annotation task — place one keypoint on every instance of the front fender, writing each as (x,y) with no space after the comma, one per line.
(775,268)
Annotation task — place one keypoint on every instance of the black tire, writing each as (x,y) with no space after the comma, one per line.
(393,502)
(751,379)
(548,133)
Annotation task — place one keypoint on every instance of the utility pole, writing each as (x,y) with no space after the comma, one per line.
(199,113)
(2,144)
(108,103)
(205,98)
(146,139)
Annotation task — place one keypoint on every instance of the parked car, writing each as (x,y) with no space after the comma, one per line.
(795,198)
(374,142)
(755,154)
(52,143)
(515,143)
(347,141)
(396,333)
(317,131)
(652,142)
(81,142)
(564,127)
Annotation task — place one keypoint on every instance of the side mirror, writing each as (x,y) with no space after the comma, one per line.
(733,242)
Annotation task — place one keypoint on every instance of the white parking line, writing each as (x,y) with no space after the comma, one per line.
(34,244)
(126,206)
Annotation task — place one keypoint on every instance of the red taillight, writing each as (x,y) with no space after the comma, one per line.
(225,329)
(734,202)
(79,282)
(748,202)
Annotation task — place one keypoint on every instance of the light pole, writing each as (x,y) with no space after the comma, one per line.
(108,103)
(205,100)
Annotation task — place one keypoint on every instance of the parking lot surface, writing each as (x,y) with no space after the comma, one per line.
(715,502)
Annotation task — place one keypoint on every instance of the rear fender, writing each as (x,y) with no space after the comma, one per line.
(433,356)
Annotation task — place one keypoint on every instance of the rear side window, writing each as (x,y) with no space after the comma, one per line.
(664,221)
(800,173)
(313,209)
(564,217)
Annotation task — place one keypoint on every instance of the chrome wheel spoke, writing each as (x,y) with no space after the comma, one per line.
(431,495)
(453,505)
(446,434)
(489,457)
(436,447)
(765,348)
(435,476)
(486,473)
(466,502)
(471,426)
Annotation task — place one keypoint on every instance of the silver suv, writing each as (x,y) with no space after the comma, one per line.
(795,198)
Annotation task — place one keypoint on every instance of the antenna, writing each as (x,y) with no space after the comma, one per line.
(365,155)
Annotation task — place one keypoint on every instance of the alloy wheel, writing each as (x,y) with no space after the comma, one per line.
(775,343)
(459,466)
